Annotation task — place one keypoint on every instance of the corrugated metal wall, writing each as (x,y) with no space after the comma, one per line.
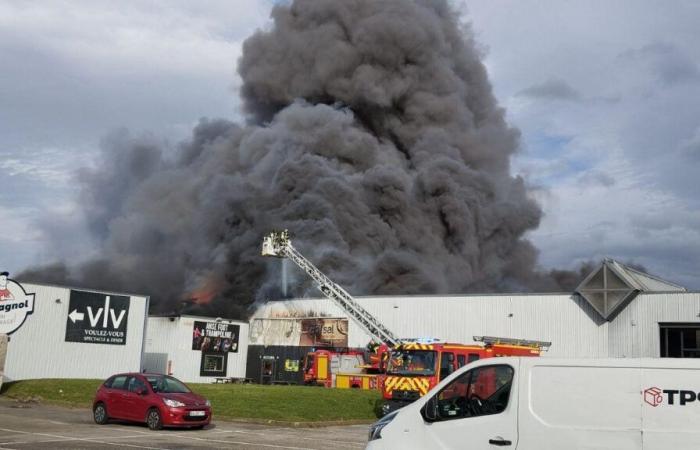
(568,321)
(39,350)
(634,333)
(171,340)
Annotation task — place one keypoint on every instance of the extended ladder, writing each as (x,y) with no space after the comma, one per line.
(491,340)
(279,245)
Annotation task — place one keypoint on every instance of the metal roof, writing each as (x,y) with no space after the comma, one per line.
(612,285)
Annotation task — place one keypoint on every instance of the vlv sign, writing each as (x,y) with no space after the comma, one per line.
(97,318)
(98,315)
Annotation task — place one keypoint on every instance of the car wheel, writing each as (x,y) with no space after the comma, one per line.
(99,413)
(154,420)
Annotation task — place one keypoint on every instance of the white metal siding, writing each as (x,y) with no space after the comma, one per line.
(634,333)
(171,340)
(39,350)
(569,322)
(572,326)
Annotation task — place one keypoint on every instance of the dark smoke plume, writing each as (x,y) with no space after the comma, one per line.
(372,134)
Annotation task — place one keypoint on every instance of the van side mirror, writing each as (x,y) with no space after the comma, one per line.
(429,411)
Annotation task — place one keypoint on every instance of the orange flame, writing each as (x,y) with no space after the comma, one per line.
(206,292)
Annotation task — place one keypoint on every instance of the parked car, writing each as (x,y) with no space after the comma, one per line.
(155,399)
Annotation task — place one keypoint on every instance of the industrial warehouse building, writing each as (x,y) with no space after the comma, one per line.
(615,312)
(73,333)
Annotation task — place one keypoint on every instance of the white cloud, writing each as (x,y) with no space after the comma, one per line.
(618,164)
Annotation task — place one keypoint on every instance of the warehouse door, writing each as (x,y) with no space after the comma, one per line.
(267,369)
(680,340)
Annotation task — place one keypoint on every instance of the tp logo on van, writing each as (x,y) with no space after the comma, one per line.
(15,304)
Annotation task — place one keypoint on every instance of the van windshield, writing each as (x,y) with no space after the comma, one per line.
(412,362)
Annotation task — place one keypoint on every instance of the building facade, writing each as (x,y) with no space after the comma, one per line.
(75,333)
(196,349)
(615,312)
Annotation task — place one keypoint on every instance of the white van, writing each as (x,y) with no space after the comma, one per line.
(542,403)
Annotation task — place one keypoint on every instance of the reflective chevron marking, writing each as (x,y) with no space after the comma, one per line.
(416,346)
(421,385)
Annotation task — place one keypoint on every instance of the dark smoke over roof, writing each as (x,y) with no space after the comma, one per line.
(372,134)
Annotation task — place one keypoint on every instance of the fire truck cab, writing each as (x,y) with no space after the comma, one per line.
(416,367)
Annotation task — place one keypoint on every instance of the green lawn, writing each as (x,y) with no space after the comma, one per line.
(232,401)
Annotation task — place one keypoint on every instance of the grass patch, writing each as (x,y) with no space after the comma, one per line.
(58,392)
(233,401)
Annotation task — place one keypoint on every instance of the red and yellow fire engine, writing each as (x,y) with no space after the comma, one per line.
(411,367)
(322,366)
(416,367)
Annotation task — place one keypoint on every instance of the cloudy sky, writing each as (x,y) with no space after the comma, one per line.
(604,93)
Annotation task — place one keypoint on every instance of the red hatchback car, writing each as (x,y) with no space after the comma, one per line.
(158,400)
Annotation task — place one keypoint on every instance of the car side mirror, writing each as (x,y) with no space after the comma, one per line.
(429,411)
(142,391)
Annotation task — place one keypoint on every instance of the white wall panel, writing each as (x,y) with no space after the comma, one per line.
(39,350)
(170,339)
(634,333)
(569,322)
(572,326)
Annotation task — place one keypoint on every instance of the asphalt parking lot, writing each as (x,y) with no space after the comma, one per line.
(39,426)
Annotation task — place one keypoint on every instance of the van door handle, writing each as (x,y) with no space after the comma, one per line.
(499,441)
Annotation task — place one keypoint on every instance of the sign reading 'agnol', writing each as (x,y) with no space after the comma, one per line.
(15,304)
(96,318)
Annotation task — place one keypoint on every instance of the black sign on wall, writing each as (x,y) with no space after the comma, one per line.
(215,337)
(97,318)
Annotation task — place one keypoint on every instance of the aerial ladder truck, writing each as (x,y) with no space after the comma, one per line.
(409,367)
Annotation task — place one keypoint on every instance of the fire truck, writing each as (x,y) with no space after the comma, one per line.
(345,369)
(322,366)
(319,366)
(412,366)
(415,367)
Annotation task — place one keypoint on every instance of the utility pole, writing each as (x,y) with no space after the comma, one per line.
(3,356)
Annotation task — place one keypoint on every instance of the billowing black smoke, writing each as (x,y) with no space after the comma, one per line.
(373,136)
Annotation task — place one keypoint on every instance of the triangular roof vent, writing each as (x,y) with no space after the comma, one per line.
(612,285)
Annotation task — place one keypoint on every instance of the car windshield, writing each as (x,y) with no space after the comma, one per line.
(167,385)
(412,362)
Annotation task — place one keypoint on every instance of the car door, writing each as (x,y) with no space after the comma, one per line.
(477,410)
(136,404)
(116,397)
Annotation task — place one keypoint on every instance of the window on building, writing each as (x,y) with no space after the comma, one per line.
(213,364)
(680,340)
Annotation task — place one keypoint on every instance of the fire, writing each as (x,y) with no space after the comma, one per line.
(206,292)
